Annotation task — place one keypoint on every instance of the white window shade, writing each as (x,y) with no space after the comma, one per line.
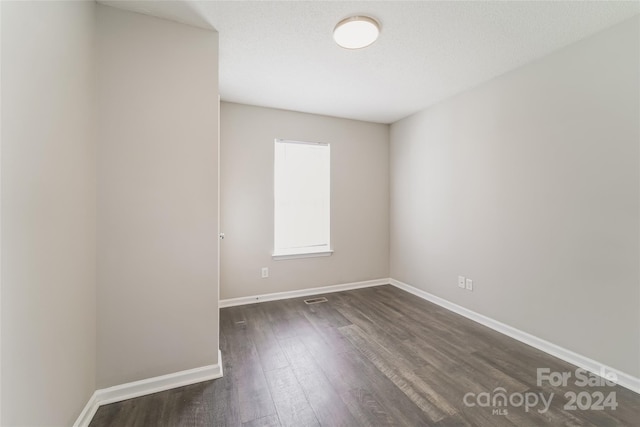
(302,198)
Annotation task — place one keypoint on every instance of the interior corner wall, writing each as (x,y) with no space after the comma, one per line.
(529,185)
(157,180)
(48,212)
(359,200)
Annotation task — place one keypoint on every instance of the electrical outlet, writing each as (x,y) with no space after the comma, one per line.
(461,282)
(469,285)
(265,272)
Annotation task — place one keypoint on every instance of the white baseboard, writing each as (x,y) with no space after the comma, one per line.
(625,380)
(88,412)
(147,386)
(231,302)
(205,373)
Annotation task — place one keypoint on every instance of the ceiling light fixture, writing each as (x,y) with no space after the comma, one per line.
(356,32)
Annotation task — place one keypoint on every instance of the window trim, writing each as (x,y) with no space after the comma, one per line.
(307,251)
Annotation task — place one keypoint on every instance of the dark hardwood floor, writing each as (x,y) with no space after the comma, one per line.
(373,357)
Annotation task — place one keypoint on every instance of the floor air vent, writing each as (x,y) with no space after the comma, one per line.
(315,300)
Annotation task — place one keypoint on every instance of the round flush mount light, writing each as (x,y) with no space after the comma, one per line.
(356,32)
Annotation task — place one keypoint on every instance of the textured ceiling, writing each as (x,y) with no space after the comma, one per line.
(281,54)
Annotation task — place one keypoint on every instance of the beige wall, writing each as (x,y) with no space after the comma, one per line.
(529,185)
(359,200)
(157,197)
(48,212)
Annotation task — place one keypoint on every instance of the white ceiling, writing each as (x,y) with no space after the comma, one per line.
(281,53)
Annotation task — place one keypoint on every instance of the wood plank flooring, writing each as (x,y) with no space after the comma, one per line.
(371,357)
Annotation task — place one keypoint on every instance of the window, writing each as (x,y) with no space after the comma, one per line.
(301,199)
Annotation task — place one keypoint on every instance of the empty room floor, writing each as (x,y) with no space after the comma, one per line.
(373,357)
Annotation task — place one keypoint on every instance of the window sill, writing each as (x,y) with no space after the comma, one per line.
(277,256)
